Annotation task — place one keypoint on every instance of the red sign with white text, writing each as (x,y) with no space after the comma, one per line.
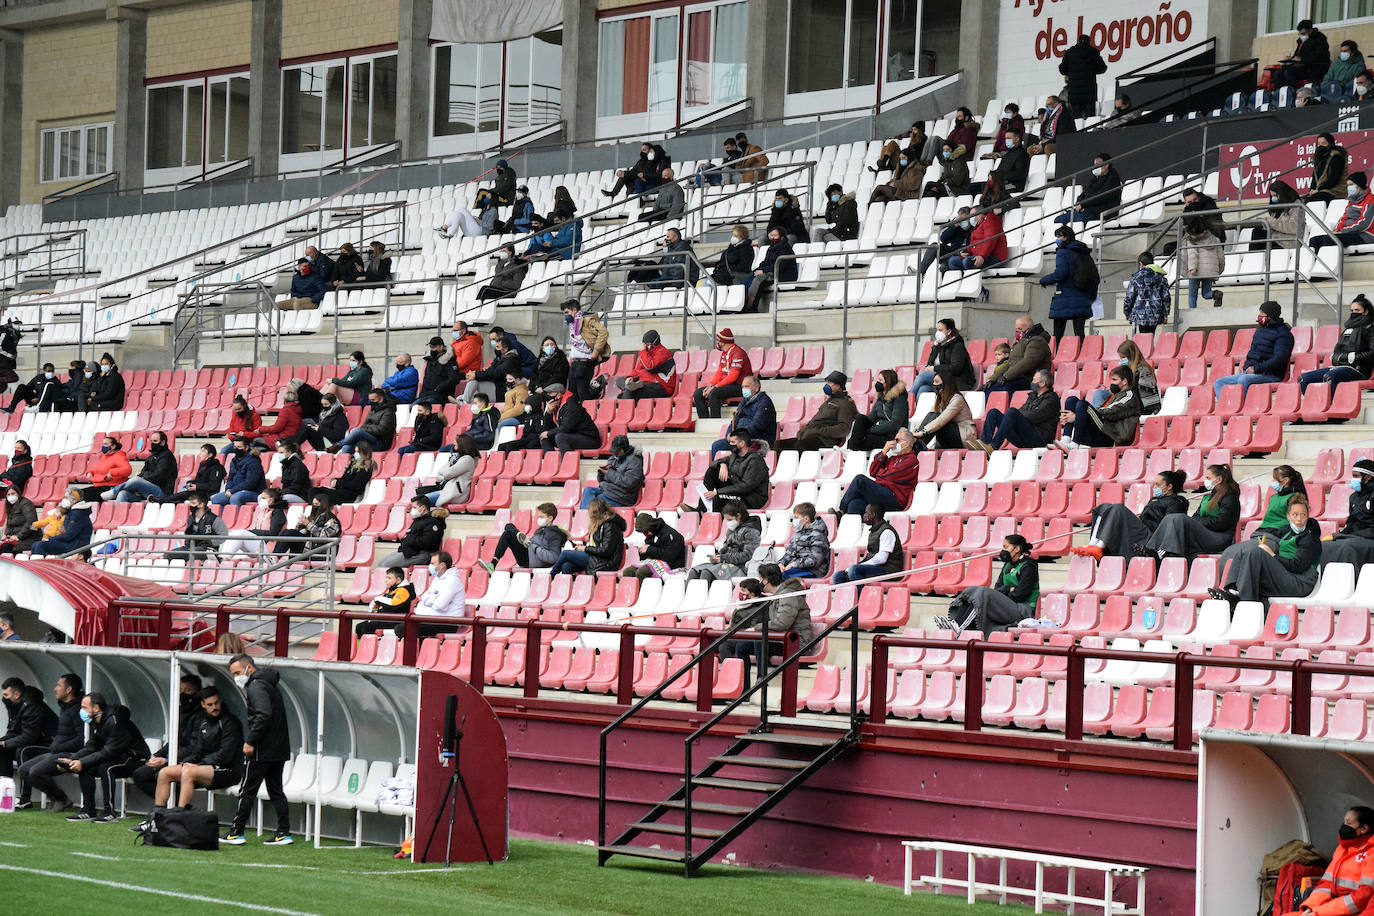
(1251,171)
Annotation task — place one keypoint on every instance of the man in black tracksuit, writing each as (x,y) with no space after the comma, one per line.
(212,759)
(266,748)
(31,722)
(113,750)
(40,768)
(189,717)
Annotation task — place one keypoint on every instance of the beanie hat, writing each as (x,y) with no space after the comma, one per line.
(436,341)
(1271,310)
(725,337)
(1359,178)
(650,338)
(1364,466)
(644,522)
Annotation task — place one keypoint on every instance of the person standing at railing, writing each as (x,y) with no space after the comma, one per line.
(588,344)
(1011,598)
(10,333)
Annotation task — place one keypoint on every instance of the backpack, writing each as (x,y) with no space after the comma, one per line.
(1084,276)
(179,828)
(1287,875)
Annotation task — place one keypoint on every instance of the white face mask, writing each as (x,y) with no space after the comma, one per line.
(65,503)
(736,240)
(796,524)
(940,336)
(731,525)
(262,501)
(241,681)
(542,521)
(893,452)
(1361,88)
(11,499)
(414,513)
(649,156)
(1345,55)
(1353,192)
(1101,171)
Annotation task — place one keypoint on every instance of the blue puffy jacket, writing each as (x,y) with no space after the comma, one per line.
(757,415)
(1069,301)
(1270,350)
(562,242)
(521,213)
(245,473)
(76,532)
(308,286)
(402,384)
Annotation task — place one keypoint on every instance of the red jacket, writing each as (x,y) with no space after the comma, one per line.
(981,242)
(1358,215)
(249,425)
(467,352)
(896,474)
(646,360)
(1348,885)
(732,367)
(289,422)
(111,469)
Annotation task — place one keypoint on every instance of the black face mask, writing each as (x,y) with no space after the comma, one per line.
(188,701)
(1346,832)
(879,388)
(1004,556)
(1114,389)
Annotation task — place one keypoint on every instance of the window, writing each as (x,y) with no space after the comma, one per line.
(1284,15)
(198,123)
(471,98)
(345,104)
(70,153)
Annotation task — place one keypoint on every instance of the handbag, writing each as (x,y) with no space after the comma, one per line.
(180,828)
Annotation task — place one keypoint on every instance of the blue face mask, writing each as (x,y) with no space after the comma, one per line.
(1297,529)
(85,716)
(104,368)
(829,390)
(1275,486)
(548,351)
(104,449)
(1355,485)
(456,335)
(963,224)
(834,198)
(1158,492)
(904,163)
(567,319)
(946,153)
(778,204)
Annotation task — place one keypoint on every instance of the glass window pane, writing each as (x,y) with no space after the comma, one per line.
(384,99)
(215,122)
(238,118)
(815,59)
(1326,10)
(489,88)
(863,42)
(610,77)
(302,106)
(663,72)
(901,40)
(518,84)
(358,97)
(97,150)
(455,90)
(194,125)
(47,157)
(1282,15)
(1359,9)
(164,127)
(546,77)
(334,99)
(732,31)
(696,73)
(69,154)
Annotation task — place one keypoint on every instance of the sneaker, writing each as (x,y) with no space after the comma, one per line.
(109,817)
(60,805)
(944,623)
(140,827)
(279,839)
(1088,550)
(1140,550)
(23,805)
(233,839)
(81,816)
(979,444)
(487,565)
(1216,299)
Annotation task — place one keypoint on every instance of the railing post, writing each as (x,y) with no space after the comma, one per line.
(221,622)
(787,703)
(112,618)
(706,675)
(411,632)
(765,655)
(973,687)
(877,691)
(1073,701)
(344,644)
(625,676)
(164,627)
(282,642)
(1183,702)
(534,639)
(477,670)
(1302,699)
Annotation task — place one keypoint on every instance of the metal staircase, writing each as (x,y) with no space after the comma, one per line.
(758,770)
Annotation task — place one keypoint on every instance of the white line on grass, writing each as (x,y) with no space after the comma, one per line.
(15,845)
(96,855)
(119,885)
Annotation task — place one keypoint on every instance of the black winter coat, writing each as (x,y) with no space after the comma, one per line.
(295,478)
(209,476)
(267,731)
(70,731)
(218,743)
(606,546)
(666,544)
(160,469)
(1080,67)
(736,264)
(1356,346)
(107,391)
(31,721)
(551,370)
(114,739)
(426,535)
(429,433)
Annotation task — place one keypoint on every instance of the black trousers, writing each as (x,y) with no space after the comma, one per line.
(509,540)
(580,372)
(104,775)
(1060,323)
(38,770)
(709,407)
(254,775)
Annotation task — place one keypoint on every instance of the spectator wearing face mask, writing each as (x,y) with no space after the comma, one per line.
(646,173)
(1282,225)
(1352,360)
(665,551)
(537,550)
(1014,167)
(402,385)
(158,476)
(348,266)
(428,430)
(888,414)
(245,479)
(621,479)
(107,391)
(673,267)
(716,175)
(807,554)
(378,428)
(1075,279)
(1338,83)
(753,160)
(110,470)
(1347,886)
(1101,196)
(425,535)
(290,420)
(204,531)
(669,203)
(354,386)
(755,413)
(44,392)
(1364,81)
(891,478)
(841,215)
(952,239)
(987,244)
(21,517)
(75,531)
(307,289)
(1010,122)
(1147,300)
(830,424)
(743,533)
(244,423)
(950,422)
(1032,425)
(1355,225)
(1266,362)
(954,173)
(732,366)
(551,367)
(779,265)
(508,277)
(588,344)
(1353,542)
(1011,599)
(521,210)
(1056,121)
(269,521)
(949,349)
(654,374)
(295,479)
(350,486)
(906,183)
(1283,564)
(1330,167)
(739,476)
(482,428)
(736,264)
(571,427)
(467,348)
(1114,424)
(1210,529)
(455,477)
(1116,529)
(786,215)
